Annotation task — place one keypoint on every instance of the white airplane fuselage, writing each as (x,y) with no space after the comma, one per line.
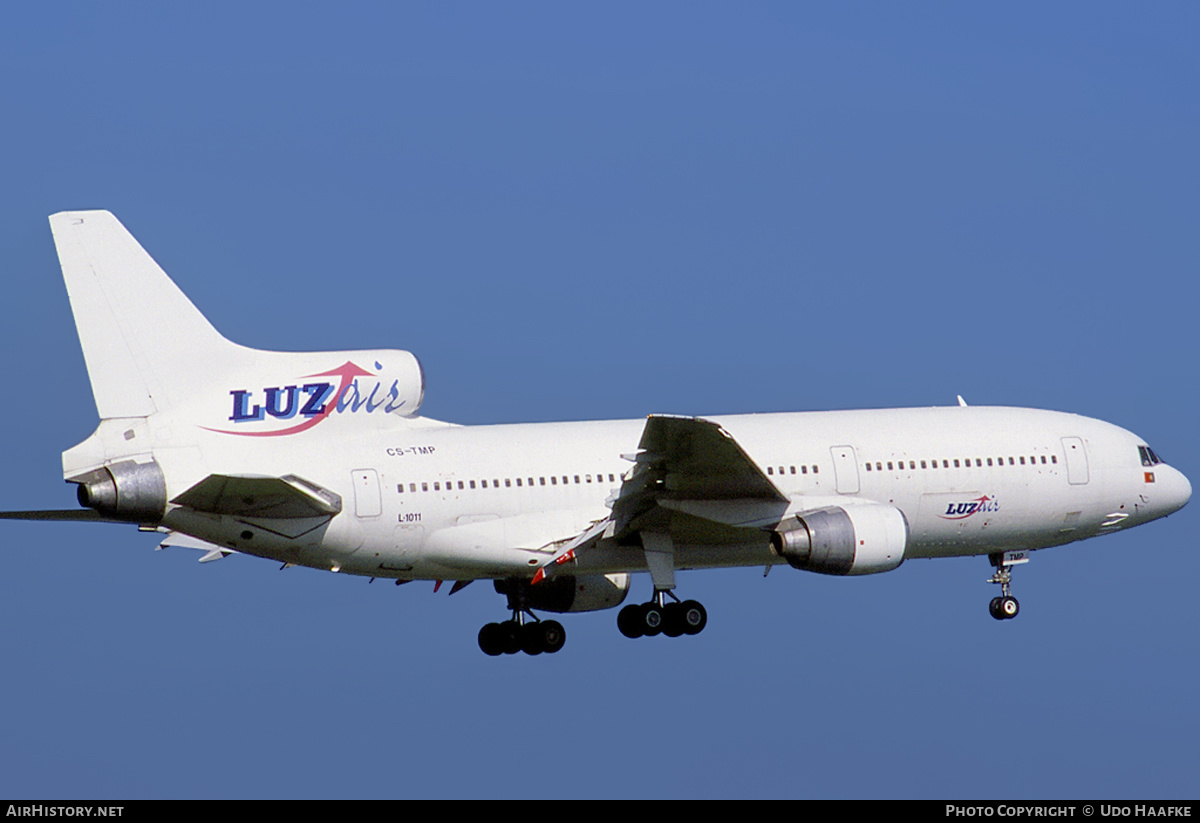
(455,502)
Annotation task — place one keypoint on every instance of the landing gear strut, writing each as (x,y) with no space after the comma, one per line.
(1005,607)
(660,617)
(516,635)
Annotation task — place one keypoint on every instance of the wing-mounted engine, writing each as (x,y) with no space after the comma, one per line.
(864,539)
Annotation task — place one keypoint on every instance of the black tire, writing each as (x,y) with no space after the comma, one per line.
(651,619)
(673,619)
(510,636)
(695,618)
(554,636)
(1009,607)
(629,621)
(532,640)
(490,641)
(994,608)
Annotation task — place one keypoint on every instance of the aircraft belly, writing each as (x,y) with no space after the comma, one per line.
(611,560)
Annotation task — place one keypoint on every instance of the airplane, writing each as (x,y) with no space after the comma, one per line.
(322,460)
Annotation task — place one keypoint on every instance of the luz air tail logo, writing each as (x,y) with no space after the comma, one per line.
(311,401)
(967,508)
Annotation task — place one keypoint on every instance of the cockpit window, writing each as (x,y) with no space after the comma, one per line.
(1149,458)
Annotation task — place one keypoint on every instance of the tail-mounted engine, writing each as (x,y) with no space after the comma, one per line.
(126,490)
(863,539)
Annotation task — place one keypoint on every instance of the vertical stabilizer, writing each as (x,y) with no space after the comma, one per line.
(140,334)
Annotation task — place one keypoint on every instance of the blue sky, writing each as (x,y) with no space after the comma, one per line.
(574,211)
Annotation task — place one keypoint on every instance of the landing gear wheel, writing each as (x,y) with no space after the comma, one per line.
(532,641)
(629,621)
(673,624)
(695,618)
(490,640)
(994,608)
(510,636)
(554,636)
(1009,608)
(651,619)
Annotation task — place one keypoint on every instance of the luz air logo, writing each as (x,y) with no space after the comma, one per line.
(311,401)
(967,508)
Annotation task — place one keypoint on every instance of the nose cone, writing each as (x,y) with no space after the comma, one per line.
(1173,492)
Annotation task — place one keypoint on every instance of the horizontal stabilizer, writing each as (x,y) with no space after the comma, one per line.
(87,515)
(185,541)
(264,498)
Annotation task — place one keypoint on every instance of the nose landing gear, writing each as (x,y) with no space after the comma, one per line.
(1005,607)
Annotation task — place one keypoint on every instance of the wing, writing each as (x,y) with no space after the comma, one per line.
(683,460)
(692,483)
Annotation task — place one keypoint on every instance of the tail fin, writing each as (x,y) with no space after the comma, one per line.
(136,327)
(150,351)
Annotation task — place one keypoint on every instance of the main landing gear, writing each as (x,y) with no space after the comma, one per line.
(1005,607)
(517,635)
(657,617)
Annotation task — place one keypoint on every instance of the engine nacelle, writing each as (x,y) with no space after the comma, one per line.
(131,491)
(585,593)
(864,539)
